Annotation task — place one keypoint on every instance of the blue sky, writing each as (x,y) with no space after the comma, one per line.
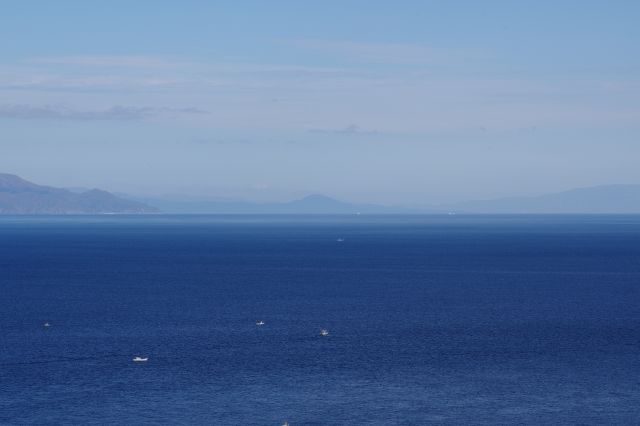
(404,102)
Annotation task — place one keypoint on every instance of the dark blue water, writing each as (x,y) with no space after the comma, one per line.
(432,320)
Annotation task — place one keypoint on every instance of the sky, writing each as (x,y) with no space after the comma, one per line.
(403,102)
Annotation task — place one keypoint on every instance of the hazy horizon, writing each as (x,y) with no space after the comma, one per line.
(341,212)
(417,102)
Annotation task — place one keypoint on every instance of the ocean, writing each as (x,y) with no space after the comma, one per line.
(432,320)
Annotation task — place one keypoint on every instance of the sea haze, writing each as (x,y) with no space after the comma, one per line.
(432,319)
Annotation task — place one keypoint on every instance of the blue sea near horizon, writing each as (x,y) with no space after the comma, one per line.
(432,320)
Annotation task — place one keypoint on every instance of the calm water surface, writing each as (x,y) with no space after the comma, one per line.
(432,320)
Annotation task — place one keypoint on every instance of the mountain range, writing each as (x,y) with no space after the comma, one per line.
(592,200)
(18,196)
(311,204)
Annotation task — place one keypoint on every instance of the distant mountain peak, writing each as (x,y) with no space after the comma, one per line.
(317,197)
(14,183)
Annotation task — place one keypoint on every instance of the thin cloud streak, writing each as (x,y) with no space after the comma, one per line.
(392,99)
(384,53)
(112,61)
(114,113)
(351,129)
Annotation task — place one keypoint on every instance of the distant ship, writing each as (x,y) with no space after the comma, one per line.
(324,332)
(260,322)
(46,324)
(140,359)
(340,240)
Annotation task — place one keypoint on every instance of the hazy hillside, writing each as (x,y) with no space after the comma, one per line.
(312,204)
(18,196)
(597,199)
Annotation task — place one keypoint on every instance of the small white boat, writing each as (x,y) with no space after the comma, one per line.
(286,423)
(260,322)
(46,324)
(340,240)
(140,359)
(324,332)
